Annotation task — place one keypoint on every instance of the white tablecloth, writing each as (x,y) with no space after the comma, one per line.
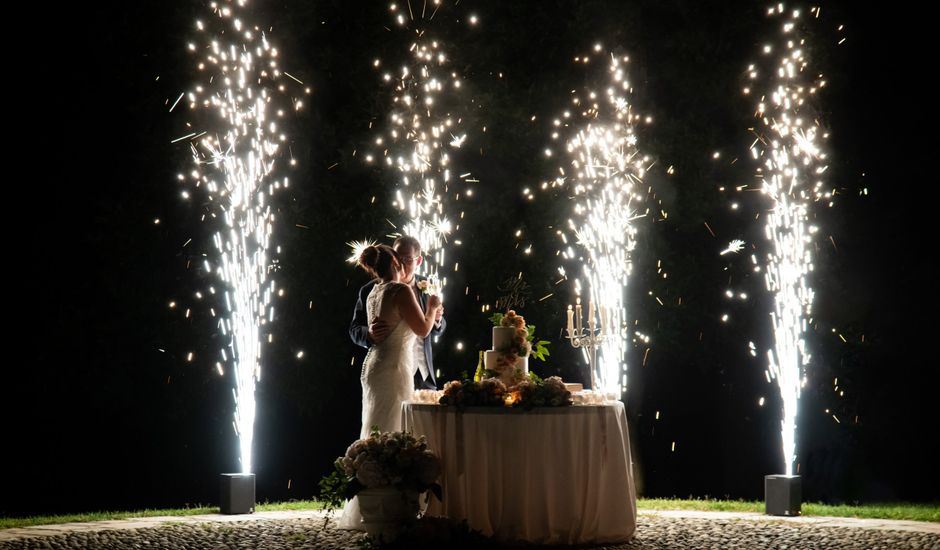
(551,475)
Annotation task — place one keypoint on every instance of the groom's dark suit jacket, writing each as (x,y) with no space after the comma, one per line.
(359,331)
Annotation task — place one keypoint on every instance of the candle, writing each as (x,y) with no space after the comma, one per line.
(577,312)
(603,321)
(570,322)
(591,316)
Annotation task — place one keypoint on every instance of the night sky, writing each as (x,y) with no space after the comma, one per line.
(105,412)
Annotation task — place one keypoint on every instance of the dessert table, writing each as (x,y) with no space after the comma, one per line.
(552,475)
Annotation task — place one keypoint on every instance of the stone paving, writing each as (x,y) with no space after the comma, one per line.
(313,529)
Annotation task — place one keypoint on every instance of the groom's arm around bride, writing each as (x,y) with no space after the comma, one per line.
(359,327)
(365,336)
(409,251)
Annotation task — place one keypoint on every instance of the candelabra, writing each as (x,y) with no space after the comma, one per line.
(588,339)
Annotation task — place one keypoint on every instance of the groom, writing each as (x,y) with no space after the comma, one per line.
(409,251)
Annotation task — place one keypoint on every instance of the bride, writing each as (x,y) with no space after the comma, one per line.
(387,372)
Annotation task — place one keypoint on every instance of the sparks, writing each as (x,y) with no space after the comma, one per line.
(457,141)
(790,162)
(357,248)
(734,247)
(238,151)
(421,123)
(606,177)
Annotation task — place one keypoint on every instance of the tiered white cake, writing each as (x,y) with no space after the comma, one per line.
(504,358)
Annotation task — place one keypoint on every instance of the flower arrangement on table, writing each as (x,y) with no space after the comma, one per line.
(384,459)
(536,392)
(491,392)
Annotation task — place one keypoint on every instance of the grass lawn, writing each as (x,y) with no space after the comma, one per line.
(897,510)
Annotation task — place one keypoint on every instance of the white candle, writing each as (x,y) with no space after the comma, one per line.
(603,321)
(570,322)
(591,315)
(577,312)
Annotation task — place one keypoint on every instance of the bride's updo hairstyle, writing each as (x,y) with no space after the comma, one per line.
(377,261)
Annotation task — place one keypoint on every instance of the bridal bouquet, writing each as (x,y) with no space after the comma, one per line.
(429,286)
(384,459)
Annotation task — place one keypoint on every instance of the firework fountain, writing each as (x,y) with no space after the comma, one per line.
(791,164)
(606,175)
(422,128)
(234,157)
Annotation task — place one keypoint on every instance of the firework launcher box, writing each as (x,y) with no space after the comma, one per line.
(783,495)
(238,493)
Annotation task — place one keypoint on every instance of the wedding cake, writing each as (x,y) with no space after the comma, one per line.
(509,357)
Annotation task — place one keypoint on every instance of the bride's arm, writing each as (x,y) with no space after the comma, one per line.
(420,322)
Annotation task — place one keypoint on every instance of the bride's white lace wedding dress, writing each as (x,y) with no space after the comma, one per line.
(387,375)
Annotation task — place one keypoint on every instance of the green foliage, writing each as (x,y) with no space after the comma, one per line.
(337,487)
(384,459)
(540,349)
